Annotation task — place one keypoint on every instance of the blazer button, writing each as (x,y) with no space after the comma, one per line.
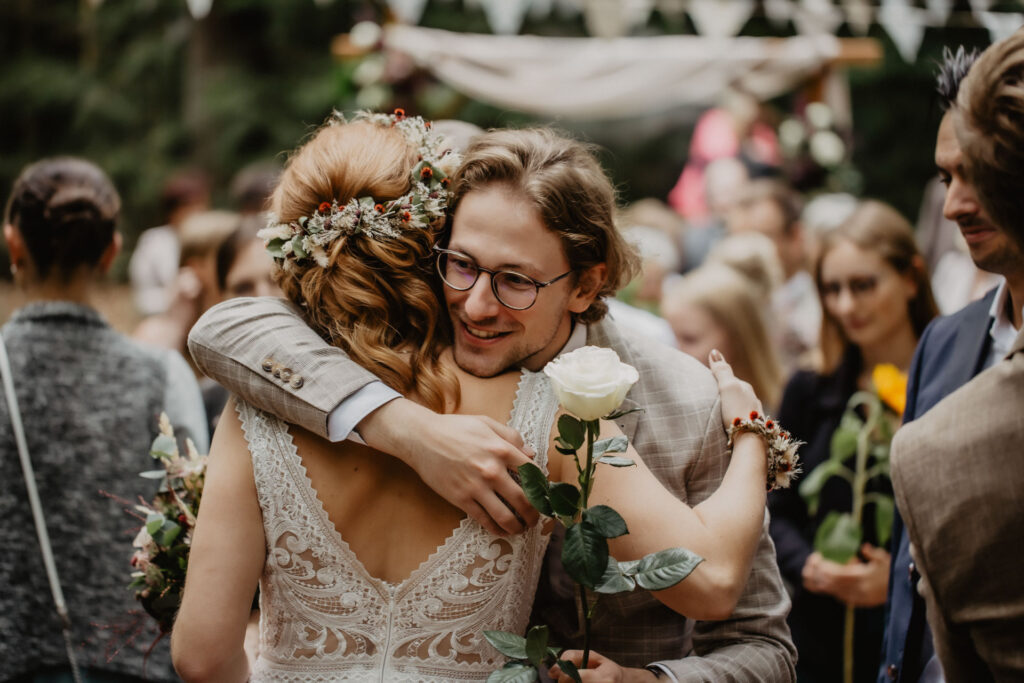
(277,371)
(892,672)
(286,374)
(911,571)
(297,381)
(268,364)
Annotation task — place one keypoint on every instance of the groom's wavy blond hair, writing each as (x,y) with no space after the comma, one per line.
(377,299)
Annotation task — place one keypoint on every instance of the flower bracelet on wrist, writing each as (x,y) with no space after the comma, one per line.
(783,461)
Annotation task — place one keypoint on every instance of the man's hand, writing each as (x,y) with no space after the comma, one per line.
(602,670)
(464,458)
(857,583)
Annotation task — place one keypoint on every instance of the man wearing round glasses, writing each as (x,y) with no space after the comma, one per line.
(531,254)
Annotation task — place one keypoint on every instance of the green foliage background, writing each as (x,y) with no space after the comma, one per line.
(142,89)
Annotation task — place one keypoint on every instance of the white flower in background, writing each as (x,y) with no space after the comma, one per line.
(450,163)
(827,148)
(369,71)
(373,96)
(819,115)
(365,35)
(791,134)
(590,382)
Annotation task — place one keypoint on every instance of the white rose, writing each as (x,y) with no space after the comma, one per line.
(590,382)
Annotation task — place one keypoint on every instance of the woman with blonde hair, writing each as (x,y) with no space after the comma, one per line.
(365,573)
(717,307)
(876,301)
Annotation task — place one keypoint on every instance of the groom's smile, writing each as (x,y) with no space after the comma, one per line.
(501,230)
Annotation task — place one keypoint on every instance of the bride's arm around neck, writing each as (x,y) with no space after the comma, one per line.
(225,563)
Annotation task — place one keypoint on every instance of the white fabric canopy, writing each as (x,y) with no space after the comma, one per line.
(588,78)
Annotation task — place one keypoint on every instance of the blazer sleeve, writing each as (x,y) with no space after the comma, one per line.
(262,350)
(754,643)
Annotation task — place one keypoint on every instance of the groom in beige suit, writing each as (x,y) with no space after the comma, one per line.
(536,183)
(958,472)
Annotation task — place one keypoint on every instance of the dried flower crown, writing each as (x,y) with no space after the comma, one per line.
(425,203)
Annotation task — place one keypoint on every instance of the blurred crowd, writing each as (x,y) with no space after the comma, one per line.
(805,295)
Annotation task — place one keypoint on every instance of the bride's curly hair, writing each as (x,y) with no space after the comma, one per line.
(377,299)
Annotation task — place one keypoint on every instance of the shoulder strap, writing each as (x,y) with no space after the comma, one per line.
(37,508)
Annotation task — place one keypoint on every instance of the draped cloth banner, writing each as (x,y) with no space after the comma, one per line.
(590,79)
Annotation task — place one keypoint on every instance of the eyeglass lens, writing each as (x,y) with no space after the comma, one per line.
(512,289)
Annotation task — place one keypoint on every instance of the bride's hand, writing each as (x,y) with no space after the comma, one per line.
(738,398)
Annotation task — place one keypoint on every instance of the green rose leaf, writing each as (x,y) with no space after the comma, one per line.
(844,444)
(508,644)
(838,537)
(514,672)
(565,499)
(616,444)
(884,510)
(275,247)
(570,670)
(666,568)
(585,554)
(535,485)
(164,446)
(537,644)
(571,431)
(154,522)
(810,487)
(616,461)
(615,580)
(168,533)
(605,521)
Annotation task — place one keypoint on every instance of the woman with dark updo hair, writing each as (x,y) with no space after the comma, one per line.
(90,400)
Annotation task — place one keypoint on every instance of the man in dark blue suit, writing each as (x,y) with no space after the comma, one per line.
(952,350)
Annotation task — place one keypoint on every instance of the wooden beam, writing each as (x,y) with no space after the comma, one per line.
(858,52)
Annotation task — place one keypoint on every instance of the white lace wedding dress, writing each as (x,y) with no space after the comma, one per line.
(324,618)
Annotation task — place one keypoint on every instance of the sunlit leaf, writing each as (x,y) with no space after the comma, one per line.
(665,568)
(614,580)
(838,538)
(844,444)
(616,461)
(616,444)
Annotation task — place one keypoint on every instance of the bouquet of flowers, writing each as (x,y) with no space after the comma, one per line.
(163,542)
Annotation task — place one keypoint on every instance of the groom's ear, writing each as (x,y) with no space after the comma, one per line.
(588,286)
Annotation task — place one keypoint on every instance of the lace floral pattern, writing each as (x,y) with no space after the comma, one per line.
(323,617)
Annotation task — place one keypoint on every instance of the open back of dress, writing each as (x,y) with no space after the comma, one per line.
(325,618)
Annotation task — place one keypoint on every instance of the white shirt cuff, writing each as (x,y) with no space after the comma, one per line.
(342,421)
(668,674)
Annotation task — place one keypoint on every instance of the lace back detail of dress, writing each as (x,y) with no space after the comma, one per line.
(323,617)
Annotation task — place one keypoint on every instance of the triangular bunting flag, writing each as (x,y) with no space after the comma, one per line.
(720,18)
(905,25)
(408,11)
(199,8)
(939,11)
(815,17)
(505,17)
(859,16)
(1000,24)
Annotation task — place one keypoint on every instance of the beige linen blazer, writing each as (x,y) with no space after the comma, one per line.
(257,347)
(958,473)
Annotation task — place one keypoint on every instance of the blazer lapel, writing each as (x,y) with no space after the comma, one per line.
(972,344)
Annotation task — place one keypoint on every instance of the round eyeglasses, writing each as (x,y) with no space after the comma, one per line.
(511,289)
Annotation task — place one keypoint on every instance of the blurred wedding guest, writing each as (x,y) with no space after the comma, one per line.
(716,307)
(725,181)
(195,289)
(89,400)
(770,207)
(958,470)
(153,268)
(252,186)
(244,268)
(821,214)
(753,255)
(734,130)
(877,301)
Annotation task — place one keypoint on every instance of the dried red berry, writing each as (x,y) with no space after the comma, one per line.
(399,114)
(324,207)
(426,173)
(379,208)
(445,182)
(406,216)
(736,422)
(753,415)
(769,424)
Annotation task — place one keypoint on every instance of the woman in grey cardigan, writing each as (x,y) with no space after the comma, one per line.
(89,399)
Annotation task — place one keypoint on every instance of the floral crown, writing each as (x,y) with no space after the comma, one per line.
(425,203)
